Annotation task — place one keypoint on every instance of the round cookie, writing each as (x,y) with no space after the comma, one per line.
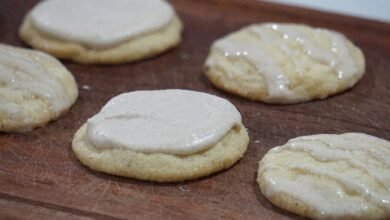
(110,32)
(329,176)
(163,136)
(284,63)
(35,88)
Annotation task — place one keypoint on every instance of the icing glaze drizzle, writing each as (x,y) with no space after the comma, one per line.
(357,155)
(22,73)
(280,36)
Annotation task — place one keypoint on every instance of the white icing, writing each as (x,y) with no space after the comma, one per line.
(163,121)
(360,154)
(22,72)
(338,57)
(100,23)
(276,81)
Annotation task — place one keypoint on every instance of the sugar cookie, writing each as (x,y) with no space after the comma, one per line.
(329,176)
(162,135)
(109,32)
(34,89)
(284,63)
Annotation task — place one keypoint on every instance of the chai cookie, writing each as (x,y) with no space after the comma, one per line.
(162,135)
(329,176)
(34,89)
(101,31)
(284,63)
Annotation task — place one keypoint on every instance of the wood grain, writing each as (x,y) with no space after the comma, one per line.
(40,177)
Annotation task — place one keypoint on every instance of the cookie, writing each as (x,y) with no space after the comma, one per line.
(329,176)
(35,88)
(162,135)
(109,32)
(284,63)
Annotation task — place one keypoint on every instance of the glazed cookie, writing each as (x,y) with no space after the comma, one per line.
(162,135)
(109,32)
(329,176)
(34,89)
(284,63)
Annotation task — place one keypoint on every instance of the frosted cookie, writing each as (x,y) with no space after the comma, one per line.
(284,63)
(329,176)
(162,135)
(34,89)
(101,31)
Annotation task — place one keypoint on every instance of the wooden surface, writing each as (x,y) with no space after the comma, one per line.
(40,177)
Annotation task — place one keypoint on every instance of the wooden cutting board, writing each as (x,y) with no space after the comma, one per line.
(41,178)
